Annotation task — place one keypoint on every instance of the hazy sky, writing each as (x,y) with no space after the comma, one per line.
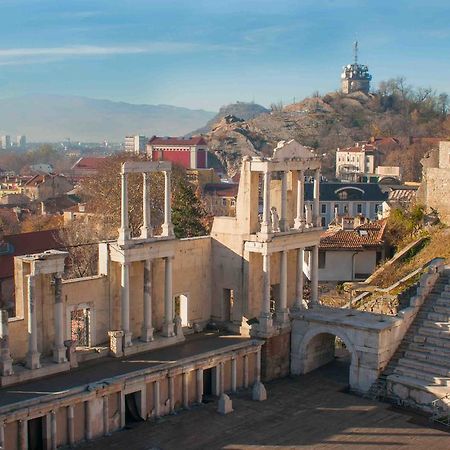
(205,53)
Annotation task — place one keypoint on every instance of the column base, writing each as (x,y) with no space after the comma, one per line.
(265,327)
(300,305)
(59,355)
(33,360)
(282,317)
(259,393)
(167,229)
(147,335)
(168,330)
(6,368)
(266,229)
(284,225)
(146,232)
(299,224)
(124,235)
(127,339)
(225,405)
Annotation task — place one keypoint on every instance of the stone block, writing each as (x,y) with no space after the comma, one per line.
(259,392)
(225,405)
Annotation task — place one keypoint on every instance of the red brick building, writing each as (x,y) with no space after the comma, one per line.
(191,153)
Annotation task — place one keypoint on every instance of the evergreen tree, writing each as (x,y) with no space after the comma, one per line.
(188,214)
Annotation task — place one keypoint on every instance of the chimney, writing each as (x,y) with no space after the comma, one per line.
(43,209)
(347,223)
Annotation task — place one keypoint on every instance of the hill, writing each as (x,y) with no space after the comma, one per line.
(337,120)
(54,118)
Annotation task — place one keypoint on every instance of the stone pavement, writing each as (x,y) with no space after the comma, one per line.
(311,411)
(104,368)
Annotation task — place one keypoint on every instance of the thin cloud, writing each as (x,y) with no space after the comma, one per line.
(34,54)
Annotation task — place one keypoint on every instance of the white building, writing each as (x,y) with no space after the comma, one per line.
(353,162)
(21,141)
(135,144)
(6,141)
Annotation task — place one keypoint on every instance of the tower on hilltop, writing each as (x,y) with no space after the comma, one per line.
(355,77)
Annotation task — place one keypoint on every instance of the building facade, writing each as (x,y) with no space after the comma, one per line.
(355,77)
(135,144)
(354,162)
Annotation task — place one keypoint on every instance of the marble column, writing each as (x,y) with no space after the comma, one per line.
(23,434)
(299,279)
(221,375)
(147,328)
(284,224)
(199,377)
(185,387)
(314,275)
(265,319)
(168,330)
(88,420)
(266,226)
(282,310)
(171,394)
(53,430)
(70,425)
(245,371)
(146,229)
(33,356)
(2,435)
(6,368)
(105,415)
(299,222)
(258,366)
(167,227)
(124,231)
(157,398)
(59,351)
(316,212)
(125,300)
(233,374)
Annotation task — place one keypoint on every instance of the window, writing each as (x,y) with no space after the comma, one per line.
(322,222)
(322,259)
(359,208)
(323,208)
(224,202)
(233,202)
(336,207)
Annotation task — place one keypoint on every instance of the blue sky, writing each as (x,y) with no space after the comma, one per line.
(206,53)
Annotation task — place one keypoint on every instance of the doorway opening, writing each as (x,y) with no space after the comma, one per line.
(80,327)
(132,408)
(207,385)
(181,309)
(35,434)
(228,304)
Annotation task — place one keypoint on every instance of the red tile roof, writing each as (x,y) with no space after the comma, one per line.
(366,235)
(195,140)
(221,189)
(89,163)
(24,244)
(359,148)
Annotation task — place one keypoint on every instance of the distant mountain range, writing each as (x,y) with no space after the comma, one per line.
(51,118)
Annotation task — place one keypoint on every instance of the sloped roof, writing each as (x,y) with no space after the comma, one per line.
(89,163)
(365,236)
(359,148)
(24,244)
(221,189)
(330,191)
(195,140)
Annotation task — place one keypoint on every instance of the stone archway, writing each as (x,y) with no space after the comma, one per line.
(304,359)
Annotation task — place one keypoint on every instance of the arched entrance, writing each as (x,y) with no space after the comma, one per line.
(322,345)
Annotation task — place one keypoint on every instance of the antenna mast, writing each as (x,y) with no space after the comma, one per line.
(355,52)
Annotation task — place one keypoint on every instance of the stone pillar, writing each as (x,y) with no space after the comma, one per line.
(265,320)
(124,231)
(233,374)
(59,351)
(299,222)
(167,227)
(299,303)
(199,376)
(23,434)
(245,371)
(225,405)
(2,435)
(146,229)
(316,212)
(258,391)
(33,357)
(185,383)
(314,261)
(5,355)
(106,415)
(125,300)
(284,225)
(266,226)
(53,430)
(88,420)
(221,375)
(171,394)
(168,300)
(70,425)
(282,310)
(157,398)
(147,329)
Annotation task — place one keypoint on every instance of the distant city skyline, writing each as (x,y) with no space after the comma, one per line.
(203,54)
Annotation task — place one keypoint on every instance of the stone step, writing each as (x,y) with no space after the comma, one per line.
(429,349)
(436,317)
(427,331)
(445,294)
(441,343)
(437,309)
(431,358)
(438,325)
(420,375)
(424,366)
(441,301)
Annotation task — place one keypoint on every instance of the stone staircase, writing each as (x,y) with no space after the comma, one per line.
(419,371)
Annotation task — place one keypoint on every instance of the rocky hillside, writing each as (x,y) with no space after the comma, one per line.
(325,123)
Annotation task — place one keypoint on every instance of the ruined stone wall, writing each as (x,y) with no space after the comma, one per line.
(275,356)
(437,190)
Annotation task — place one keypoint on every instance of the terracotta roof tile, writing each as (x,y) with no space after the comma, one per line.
(195,140)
